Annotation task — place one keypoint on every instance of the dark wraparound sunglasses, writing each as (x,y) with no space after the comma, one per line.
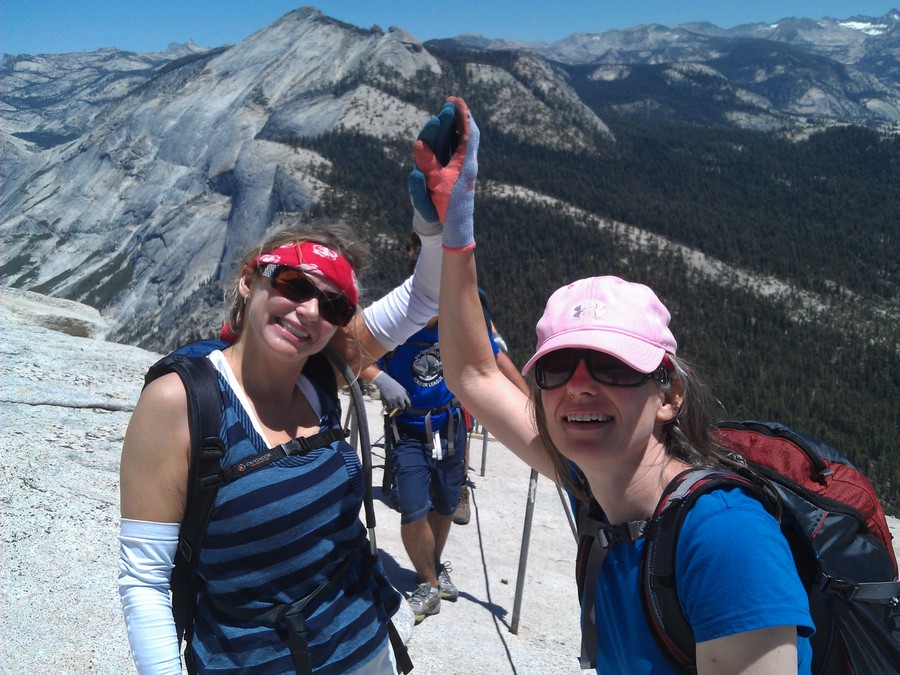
(556,368)
(294,285)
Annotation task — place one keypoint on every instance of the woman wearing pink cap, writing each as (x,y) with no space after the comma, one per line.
(287,581)
(614,415)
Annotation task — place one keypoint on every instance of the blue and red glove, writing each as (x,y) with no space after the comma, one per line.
(407,308)
(438,134)
(450,186)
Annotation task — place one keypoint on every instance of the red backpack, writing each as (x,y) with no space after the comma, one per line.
(830,516)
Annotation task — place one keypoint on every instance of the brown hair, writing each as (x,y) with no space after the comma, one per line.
(413,248)
(335,235)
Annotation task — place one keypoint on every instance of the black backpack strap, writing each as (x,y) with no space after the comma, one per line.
(319,369)
(667,622)
(877,592)
(297,446)
(595,538)
(204,400)
(207,448)
(401,654)
(587,569)
(587,566)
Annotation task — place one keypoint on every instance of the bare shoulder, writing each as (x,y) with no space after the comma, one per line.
(162,409)
(167,391)
(156,453)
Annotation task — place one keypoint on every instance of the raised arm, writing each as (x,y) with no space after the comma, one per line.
(391,319)
(470,369)
(472,372)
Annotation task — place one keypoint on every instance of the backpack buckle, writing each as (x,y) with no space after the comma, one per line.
(297,446)
(213,480)
(211,448)
(185,549)
(843,589)
(609,536)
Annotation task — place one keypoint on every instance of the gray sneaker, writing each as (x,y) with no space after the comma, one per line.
(445,585)
(425,601)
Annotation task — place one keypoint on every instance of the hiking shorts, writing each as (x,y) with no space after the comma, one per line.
(420,483)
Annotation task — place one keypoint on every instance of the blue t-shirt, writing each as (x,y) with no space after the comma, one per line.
(417,367)
(734,572)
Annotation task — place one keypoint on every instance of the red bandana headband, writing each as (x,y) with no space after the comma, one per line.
(316,260)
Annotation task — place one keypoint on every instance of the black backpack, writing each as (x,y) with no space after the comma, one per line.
(205,475)
(832,520)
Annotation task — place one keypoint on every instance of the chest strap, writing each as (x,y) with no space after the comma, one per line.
(291,615)
(297,446)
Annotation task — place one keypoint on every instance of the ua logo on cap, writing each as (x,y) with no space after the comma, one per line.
(596,309)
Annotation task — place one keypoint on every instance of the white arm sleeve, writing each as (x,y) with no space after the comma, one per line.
(407,308)
(146,557)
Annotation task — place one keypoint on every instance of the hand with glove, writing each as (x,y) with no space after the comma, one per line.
(451,184)
(393,395)
(439,134)
(445,154)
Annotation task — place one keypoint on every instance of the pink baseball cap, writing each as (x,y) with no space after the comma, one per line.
(617,317)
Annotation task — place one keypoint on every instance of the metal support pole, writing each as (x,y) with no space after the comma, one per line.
(484,442)
(566,508)
(352,423)
(387,475)
(523,553)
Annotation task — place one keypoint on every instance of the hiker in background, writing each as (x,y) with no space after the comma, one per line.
(429,459)
(290,532)
(612,403)
(463,513)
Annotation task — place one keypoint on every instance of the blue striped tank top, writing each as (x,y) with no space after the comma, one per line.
(274,536)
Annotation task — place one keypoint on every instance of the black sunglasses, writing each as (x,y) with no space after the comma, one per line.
(556,368)
(294,285)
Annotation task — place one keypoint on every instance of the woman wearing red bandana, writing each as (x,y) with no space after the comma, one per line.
(279,534)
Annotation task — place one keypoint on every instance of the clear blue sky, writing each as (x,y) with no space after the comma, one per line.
(59,26)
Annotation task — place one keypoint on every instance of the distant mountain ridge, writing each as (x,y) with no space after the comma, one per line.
(794,71)
(152,169)
(848,41)
(43,94)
